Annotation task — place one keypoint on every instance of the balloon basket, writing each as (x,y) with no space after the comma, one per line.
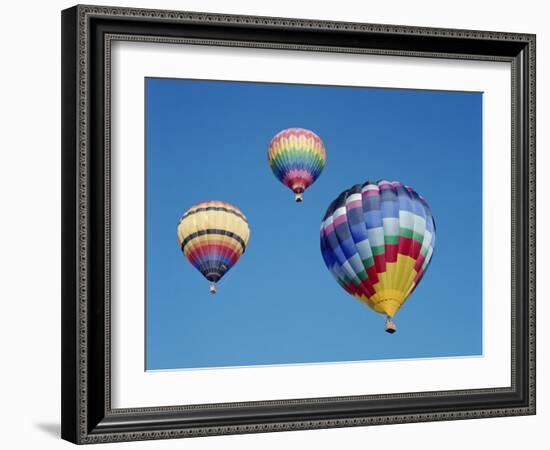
(213,289)
(299,198)
(390,326)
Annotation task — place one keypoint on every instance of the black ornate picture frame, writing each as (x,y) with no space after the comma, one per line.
(87,34)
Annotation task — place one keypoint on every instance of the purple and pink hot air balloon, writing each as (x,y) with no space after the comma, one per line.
(297,157)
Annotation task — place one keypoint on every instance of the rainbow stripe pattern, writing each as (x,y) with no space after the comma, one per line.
(213,235)
(297,157)
(378,239)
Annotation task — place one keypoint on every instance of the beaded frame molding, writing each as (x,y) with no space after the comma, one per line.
(87,34)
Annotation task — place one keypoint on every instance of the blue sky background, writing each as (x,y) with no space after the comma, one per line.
(208,140)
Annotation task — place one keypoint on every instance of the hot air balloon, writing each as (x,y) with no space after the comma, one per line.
(297,157)
(377,239)
(213,235)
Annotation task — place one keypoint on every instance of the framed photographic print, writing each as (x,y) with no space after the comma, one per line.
(281,224)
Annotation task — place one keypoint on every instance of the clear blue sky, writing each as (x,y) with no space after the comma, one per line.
(279,304)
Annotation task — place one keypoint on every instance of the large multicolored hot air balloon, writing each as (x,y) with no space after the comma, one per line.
(297,157)
(377,239)
(213,235)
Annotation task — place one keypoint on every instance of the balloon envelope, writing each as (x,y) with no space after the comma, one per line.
(377,239)
(213,235)
(297,157)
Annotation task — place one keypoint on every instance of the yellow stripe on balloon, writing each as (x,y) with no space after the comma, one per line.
(394,285)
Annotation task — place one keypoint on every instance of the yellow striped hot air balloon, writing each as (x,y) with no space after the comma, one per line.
(213,235)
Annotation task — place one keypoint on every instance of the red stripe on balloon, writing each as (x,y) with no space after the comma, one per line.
(373,274)
(418,276)
(221,249)
(391,253)
(340,220)
(354,204)
(366,287)
(380,263)
(371,193)
(415,249)
(419,262)
(404,245)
